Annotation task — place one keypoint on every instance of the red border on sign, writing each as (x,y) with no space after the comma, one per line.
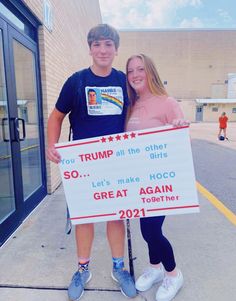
(172,208)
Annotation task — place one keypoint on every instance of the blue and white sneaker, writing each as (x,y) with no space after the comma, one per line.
(78,282)
(127,286)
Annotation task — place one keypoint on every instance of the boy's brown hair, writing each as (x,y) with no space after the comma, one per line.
(103,32)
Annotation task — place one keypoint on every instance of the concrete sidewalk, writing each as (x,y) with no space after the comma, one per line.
(38,260)
(209,131)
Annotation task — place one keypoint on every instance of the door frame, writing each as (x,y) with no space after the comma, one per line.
(199,113)
(23,208)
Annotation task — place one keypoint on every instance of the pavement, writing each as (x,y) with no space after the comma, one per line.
(37,262)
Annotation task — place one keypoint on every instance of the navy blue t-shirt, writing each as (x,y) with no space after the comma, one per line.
(96,105)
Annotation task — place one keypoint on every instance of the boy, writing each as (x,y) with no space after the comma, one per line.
(90,121)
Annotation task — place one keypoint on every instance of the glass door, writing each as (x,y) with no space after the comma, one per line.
(27,118)
(7,197)
(22,161)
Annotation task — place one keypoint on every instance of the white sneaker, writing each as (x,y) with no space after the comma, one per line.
(149,277)
(170,287)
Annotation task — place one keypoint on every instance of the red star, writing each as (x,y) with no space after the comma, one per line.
(118,137)
(103,139)
(110,138)
(126,136)
(132,135)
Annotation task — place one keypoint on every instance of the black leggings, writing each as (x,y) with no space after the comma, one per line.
(160,249)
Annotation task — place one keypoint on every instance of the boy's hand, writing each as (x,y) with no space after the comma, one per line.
(53,155)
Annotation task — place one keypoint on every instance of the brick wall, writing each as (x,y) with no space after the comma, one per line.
(195,63)
(63,51)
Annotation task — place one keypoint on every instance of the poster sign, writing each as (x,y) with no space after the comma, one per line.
(129,175)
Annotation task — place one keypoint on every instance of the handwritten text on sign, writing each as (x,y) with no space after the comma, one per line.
(129,175)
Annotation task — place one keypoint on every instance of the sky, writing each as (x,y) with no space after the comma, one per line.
(169,14)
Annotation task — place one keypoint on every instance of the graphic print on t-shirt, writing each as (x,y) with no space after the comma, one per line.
(104,100)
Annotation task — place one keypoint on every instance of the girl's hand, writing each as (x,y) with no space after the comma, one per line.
(180,122)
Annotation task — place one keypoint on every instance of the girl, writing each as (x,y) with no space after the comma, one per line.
(152,107)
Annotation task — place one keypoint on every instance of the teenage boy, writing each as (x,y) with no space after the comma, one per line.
(90,121)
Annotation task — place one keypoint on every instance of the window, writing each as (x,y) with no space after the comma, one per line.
(214,109)
(199,109)
(233,110)
(47,15)
(10,16)
(20,22)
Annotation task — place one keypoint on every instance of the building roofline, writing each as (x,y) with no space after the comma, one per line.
(174,29)
(215,100)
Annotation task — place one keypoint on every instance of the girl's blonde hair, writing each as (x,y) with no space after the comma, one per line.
(155,84)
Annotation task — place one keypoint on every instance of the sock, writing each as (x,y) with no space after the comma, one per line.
(156,266)
(118,262)
(83,265)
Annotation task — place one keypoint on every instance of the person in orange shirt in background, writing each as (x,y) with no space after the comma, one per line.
(223,119)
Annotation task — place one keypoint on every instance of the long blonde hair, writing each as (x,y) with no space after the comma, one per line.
(155,84)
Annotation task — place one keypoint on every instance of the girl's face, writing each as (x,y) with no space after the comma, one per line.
(136,75)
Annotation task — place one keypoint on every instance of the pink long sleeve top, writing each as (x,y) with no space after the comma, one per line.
(154,112)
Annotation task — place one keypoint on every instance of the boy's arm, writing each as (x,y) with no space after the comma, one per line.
(53,131)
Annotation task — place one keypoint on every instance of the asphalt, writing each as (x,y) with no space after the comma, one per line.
(37,262)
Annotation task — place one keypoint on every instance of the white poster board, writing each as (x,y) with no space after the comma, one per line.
(129,175)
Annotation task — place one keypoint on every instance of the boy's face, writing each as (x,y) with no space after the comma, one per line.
(103,53)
